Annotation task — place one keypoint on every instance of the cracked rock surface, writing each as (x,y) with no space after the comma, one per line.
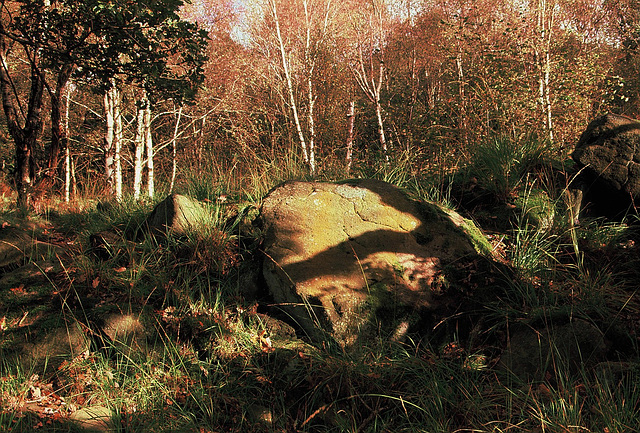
(346,260)
(609,151)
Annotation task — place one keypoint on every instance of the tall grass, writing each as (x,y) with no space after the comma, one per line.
(212,361)
(501,163)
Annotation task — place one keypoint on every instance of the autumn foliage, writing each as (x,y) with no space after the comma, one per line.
(426,78)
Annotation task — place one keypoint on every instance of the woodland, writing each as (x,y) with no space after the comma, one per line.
(110,106)
(336,87)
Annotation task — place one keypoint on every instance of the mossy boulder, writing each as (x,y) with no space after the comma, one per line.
(350,261)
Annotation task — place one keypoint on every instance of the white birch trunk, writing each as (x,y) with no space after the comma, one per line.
(365,75)
(108,142)
(117,138)
(287,75)
(67,151)
(149,146)
(545,17)
(67,175)
(383,139)
(174,161)
(113,141)
(310,65)
(351,116)
(464,124)
(138,153)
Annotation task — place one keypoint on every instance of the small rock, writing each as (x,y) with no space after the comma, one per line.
(96,419)
(175,215)
(127,331)
(259,414)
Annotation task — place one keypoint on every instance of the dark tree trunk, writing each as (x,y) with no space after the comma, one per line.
(58,129)
(25,137)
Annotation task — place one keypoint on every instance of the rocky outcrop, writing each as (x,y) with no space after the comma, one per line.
(352,260)
(607,159)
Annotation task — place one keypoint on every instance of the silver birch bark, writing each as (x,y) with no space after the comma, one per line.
(288,80)
(67,175)
(67,151)
(365,70)
(311,99)
(117,138)
(351,116)
(138,153)
(108,142)
(174,161)
(542,52)
(148,139)
(113,141)
(462,94)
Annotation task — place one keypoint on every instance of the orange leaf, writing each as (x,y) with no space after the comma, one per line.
(95,283)
(19,289)
(120,270)
(3,323)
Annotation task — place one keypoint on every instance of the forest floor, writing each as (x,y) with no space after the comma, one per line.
(117,333)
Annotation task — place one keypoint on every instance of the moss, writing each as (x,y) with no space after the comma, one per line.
(537,208)
(477,238)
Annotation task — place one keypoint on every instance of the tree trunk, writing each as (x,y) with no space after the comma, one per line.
(462,94)
(383,139)
(109,149)
(148,139)
(351,116)
(174,160)
(67,175)
(59,123)
(545,18)
(139,148)
(287,75)
(24,137)
(117,143)
(67,151)
(365,72)
(312,130)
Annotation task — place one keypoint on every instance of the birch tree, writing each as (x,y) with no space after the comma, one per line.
(143,142)
(113,140)
(544,14)
(93,40)
(367,63)
(297,41)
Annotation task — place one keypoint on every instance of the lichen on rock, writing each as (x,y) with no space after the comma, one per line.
(352,260)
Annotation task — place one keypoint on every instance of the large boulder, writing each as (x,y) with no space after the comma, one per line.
(607,159)
(350,260)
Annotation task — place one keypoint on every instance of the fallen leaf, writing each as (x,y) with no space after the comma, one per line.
(3,323)
(18,290)
(96,282)
(120,270)
(265,342)
(5,225)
